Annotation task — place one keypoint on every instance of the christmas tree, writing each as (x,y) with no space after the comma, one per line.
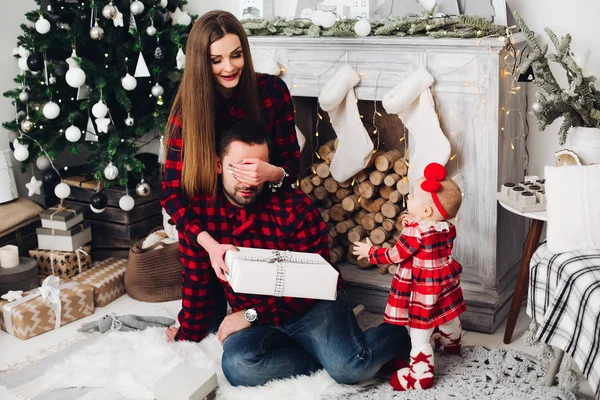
(579,105)
(96,74)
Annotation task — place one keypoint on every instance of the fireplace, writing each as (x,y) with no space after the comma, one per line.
(482,112)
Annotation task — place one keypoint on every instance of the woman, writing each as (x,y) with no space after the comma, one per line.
(219,87)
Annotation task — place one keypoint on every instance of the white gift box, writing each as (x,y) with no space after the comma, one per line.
(281,273)
(185,382)
(61,240)
(63,218)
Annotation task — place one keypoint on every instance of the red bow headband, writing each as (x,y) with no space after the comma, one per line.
(434,174)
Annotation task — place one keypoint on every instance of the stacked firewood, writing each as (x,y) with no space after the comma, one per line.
(367,205)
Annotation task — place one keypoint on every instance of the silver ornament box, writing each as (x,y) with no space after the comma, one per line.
(281,273)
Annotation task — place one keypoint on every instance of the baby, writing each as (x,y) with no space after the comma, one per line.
(425,291)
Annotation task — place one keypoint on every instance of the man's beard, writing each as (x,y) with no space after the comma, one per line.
(240,200)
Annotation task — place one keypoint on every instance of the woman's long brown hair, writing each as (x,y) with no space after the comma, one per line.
(194,104)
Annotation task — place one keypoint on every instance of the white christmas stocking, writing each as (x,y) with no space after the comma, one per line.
(301,138)
(413,102)
(355,146)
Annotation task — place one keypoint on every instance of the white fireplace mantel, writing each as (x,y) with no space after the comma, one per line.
(471,88)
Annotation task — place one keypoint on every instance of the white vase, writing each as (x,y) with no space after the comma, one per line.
(585,142)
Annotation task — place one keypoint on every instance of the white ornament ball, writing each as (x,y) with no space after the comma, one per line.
(75,77)
(42,162)
(362,28)
(307,13)
(537,107)
(111,172)
(96,33)
(23,52)
(21,153)
(23,96)
(17,144)
(317,17)
(164,3)
(109,11)
(126,203)
(99,110)
(23,64)
(328,20)
(151,30)
(129,82)
(62,190)
(136,8)
(96,210)
(51,110)
(129,121)
(42,26)
(157,90)
(73,134)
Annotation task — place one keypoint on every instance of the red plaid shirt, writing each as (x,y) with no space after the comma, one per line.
(286,220)
(278,117)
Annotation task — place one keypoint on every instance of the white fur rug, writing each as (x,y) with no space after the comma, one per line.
(130,363)
(125,366)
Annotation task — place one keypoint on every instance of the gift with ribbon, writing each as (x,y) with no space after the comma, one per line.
(107,278)
(86,182)
(64,264)
(48,307)
(281,273)
(62,217)
(61,240)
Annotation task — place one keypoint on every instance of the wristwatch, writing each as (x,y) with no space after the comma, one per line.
(277,185)
(251,316)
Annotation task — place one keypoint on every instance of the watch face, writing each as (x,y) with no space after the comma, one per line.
(251,315)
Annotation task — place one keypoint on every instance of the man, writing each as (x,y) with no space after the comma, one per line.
(269,337)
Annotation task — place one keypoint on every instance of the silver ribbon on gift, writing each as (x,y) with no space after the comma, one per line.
(50,291)
(277,256)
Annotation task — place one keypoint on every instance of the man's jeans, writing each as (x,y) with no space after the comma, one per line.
(328,336)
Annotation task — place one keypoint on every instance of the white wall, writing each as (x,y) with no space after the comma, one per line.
(577,18)
(10,20)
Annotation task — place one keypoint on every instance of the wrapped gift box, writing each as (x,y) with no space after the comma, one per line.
(107,279)
(69,240)
(281,273)
(185,382)
(34,314)
(22,277)
(64,264)
(62,218)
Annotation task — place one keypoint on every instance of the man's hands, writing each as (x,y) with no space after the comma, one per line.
(231,324)
(362,249)
(171,332)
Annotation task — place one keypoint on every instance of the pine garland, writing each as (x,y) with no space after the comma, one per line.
(579,105)
(462,26)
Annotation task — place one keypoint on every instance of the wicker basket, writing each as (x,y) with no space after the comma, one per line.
(154,275)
